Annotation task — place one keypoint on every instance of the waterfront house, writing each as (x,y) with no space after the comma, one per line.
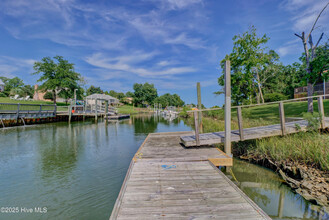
(318,90)
(102,97)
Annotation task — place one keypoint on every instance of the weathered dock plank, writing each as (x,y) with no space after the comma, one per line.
(168,181)
(248,133)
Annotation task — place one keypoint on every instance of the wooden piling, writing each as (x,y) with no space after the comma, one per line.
(106,108)
(321,112)
(70,113)
(240,122)
(282,118)
(227,143)
(199,106)
(96,115)
(196,123)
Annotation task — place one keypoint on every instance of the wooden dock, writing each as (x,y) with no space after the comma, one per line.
(118,117)
(168,181)
(248,133)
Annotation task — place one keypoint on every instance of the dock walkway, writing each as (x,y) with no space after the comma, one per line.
(248,133)
(168,181)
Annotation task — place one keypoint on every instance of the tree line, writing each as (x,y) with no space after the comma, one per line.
(258,76)
(58,78)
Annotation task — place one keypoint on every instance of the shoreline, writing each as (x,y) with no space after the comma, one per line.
(311,183)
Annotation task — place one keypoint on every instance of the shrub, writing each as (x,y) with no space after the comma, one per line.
(2,94)
(273,97)
(184,112)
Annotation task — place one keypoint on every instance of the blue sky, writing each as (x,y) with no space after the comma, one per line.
(171,43)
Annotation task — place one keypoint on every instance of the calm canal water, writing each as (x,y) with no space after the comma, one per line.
(75,171)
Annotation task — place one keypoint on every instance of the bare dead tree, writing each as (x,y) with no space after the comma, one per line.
(309,57)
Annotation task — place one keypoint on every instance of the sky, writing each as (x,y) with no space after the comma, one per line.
(171,43)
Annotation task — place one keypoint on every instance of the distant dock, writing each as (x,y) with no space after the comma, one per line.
(118,117)
(168,181)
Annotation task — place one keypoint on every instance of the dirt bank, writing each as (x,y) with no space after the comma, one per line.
(308,181)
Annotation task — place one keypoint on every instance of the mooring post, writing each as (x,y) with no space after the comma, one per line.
(282,118)
(17,115)
(70,113)
(321,112)
(55,110)
(198,88)
(96,116)
(196,124)
(106,109)
(227,143)
(240,122)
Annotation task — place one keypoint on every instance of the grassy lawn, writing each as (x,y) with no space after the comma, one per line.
(128,109)
(257,115)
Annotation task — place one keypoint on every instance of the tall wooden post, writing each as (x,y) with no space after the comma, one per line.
(96,114)
(227,143)
(282,118)
(17,114)
(106,109)
(239,111)
(321,112)
(198,88)
(196,122)
(70,113)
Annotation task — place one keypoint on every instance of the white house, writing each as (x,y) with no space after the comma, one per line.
(102,97)
(2,86)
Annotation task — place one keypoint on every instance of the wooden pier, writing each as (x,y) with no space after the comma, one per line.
(168,181)
(118,117)
(248,133)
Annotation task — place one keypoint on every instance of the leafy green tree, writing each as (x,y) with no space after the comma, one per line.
(57,76)
(169,100)
(28,90)
(320,64)
(48,95)
(310,55)
(250,66)
(144,93)
(94,90)
(120,95)
(286,79)
(129,94)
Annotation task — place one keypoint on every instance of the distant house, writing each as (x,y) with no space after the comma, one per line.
(102,97)
(301,92)
(2,86)
(128,100)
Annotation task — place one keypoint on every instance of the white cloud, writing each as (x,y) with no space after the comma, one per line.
(182,39)
(180,4)
(127,64)
(163,63)
(305,13)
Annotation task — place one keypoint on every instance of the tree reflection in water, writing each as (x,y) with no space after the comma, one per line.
(271,194)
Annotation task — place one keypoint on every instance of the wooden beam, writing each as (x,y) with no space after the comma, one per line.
(282,118)
(227,143)
(321,112)
(199,105)
(222,162)
(196,123)
(240,122)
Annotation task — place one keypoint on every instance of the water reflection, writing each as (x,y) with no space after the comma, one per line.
(271,194)
(75,170)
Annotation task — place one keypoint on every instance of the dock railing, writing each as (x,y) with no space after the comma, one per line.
(18,108)
(282,116)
